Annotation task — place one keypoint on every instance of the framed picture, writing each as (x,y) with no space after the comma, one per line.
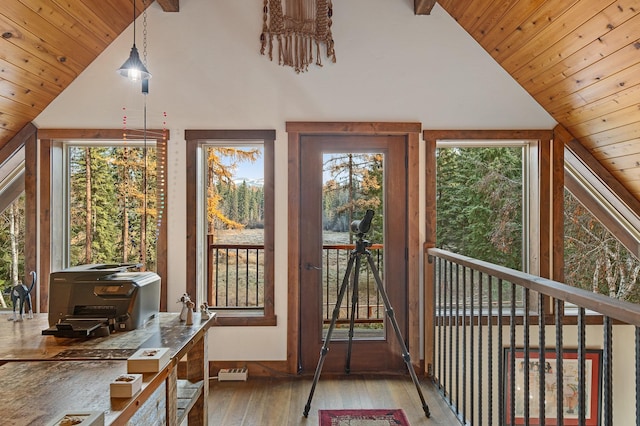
(593,373)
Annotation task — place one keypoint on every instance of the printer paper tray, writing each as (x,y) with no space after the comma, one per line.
(76,327)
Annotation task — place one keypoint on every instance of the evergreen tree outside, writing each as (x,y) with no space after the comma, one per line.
(479,214)
(353,183)
(109,204)
(479,203)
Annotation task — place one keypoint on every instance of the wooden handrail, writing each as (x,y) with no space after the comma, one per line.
(619,310)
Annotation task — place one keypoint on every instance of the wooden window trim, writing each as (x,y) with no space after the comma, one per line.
(48,139)
(27,138)
(549,184)
(585,176)
(195,139)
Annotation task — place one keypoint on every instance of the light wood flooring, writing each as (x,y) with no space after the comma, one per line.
(281,401)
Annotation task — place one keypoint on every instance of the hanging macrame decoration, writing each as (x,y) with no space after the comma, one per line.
(298,27)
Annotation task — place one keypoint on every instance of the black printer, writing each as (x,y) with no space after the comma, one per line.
(97,299)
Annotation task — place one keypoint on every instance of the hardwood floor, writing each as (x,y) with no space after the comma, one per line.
(281,401)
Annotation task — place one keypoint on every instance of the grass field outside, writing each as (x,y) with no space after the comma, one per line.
(237,280)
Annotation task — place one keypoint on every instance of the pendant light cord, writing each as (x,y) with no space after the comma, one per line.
(134,22)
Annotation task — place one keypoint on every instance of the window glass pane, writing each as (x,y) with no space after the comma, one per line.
(594,259)
(480,203)
(235,225)
(11,249)
(352,183)
(479,195)
(112,204)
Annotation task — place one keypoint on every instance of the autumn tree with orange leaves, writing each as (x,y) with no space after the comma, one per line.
(222,163)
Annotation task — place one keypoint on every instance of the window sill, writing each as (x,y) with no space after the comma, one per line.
(243,318)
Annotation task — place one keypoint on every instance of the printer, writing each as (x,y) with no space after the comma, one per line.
(97,299)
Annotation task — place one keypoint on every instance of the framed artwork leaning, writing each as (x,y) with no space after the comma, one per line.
(570,390)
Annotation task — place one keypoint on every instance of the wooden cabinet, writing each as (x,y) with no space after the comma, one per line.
(46,376)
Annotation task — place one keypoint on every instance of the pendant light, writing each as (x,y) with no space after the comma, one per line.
(133,68)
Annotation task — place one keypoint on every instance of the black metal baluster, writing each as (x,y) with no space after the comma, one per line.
(512,359)
(527,363)
(246,284)
(541,358)
(450,332)
(367,279)
(440,285)
(559,362)
(480,380)
(226,293)
(327,287)
(337,280)
(457,339)
(501,377)
(464,345)
(258,278)
(637,376)
(472,349)
(581,367)
(607,372)
(490,345)
(217,301)
(379,254)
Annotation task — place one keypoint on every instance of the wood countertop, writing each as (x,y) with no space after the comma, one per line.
(45,377)
(23,340)
(43,391)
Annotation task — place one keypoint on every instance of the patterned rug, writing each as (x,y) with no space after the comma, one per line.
(362,418)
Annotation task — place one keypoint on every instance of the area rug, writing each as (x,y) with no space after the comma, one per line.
(362,418)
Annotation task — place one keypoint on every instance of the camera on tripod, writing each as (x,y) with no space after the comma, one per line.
(363,225)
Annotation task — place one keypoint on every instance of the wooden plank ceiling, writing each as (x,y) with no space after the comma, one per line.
(580,59)
(45,45)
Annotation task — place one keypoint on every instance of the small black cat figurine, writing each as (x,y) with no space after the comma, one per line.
(20,293)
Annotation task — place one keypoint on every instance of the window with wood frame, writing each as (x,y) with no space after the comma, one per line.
(230,232)
(116,214)
(12,232)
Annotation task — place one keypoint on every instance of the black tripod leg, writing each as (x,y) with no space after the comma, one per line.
(405,353)
(354,310)
(334,319)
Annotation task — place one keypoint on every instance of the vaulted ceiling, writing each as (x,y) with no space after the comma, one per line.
(580,59)
(45,45)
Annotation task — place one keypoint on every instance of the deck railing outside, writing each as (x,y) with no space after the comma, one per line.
(370,306)
(235,279)
(547,360)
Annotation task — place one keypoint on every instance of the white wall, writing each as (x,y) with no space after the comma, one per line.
(208,74)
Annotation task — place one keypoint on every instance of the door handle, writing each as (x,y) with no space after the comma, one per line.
(310,267)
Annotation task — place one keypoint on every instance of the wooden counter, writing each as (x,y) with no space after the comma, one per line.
(28,343)
(47,376)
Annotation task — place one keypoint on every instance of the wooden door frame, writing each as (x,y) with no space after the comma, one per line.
(411,131)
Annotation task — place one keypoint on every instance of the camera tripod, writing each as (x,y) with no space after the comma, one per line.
(355,256)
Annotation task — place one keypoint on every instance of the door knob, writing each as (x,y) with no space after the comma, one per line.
(310,267)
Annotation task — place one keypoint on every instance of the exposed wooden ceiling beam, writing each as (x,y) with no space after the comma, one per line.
(420,7)
(171,5)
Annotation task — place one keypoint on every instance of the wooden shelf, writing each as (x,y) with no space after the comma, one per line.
(188,394)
